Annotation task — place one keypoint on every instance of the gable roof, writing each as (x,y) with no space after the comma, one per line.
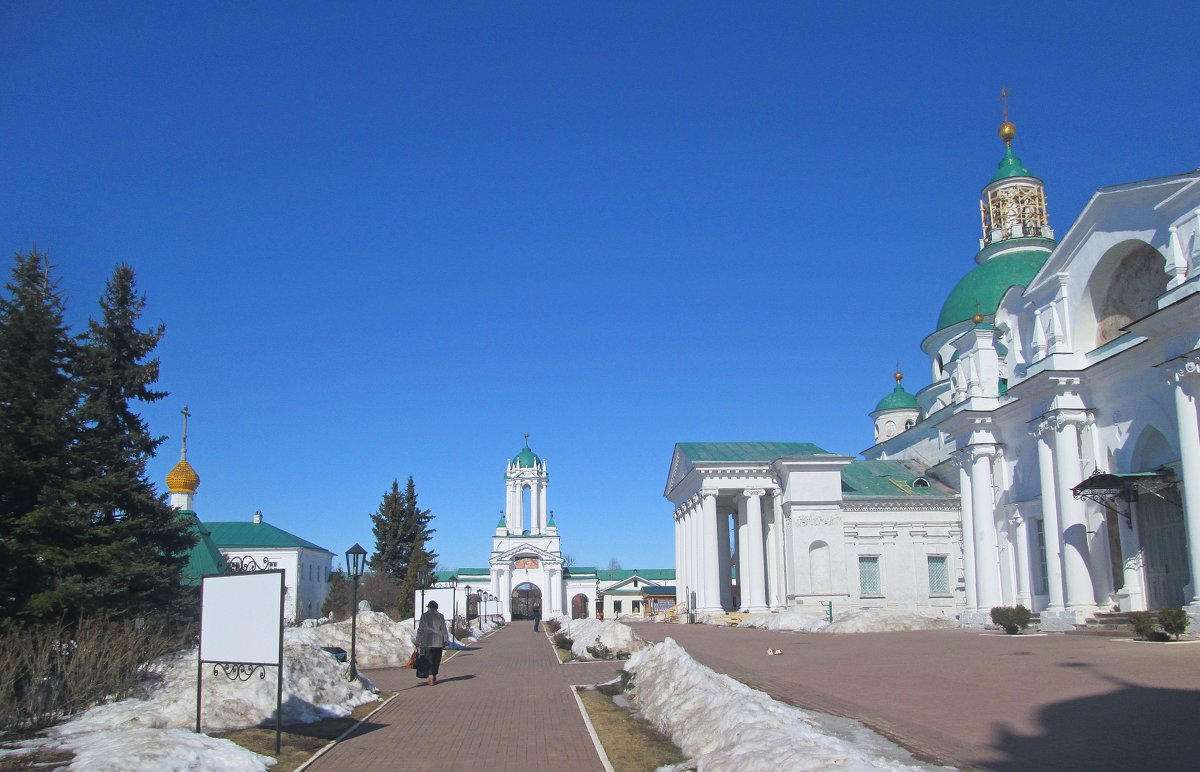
(240,535)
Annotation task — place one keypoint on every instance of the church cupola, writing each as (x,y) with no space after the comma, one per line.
(182,480)
(895,413)
(1014,201)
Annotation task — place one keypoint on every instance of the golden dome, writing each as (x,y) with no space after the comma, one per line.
(1008,130)
(183,479)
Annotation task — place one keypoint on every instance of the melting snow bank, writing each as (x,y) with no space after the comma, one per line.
(152,732)
(722,724)
(619,638)
(859,620)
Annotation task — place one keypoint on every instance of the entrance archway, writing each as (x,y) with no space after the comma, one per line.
(526,601)
(579,606)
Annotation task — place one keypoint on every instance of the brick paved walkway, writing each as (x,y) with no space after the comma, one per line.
(505,705)
(995,702)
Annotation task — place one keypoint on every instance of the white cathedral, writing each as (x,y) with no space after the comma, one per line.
(1053,460)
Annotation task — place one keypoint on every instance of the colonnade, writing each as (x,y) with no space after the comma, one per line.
(706,559)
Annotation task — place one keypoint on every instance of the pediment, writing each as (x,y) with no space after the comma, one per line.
(681,466)
(526,549)
(644,582)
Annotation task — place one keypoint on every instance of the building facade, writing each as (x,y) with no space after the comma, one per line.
(1052,461)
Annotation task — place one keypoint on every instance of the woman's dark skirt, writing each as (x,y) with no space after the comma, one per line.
(429,659)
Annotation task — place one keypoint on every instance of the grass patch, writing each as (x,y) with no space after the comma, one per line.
(632,744)
(39,759)
(298,742)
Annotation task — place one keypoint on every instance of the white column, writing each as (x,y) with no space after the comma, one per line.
(1050,522)
(968,529)
(697,569)
(509,509)
(543,513)
(782,572)
(774,570)
(506,592)
(1024,572)
(724,562)
(757,584)
(983,510)
(711,598)
(678,527)
(1188,423)
(1080,595)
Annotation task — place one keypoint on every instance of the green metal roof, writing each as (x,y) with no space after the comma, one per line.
(1010,166)
(204,559)
(981,289)
(240,534)
(579,570)
(753,452)
(899,399)
(887,478)
(618,574)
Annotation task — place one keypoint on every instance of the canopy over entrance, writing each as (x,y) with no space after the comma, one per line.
(1106,488)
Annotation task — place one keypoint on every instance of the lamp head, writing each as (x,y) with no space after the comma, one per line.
(356,560)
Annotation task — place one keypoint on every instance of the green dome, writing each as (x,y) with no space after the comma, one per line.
(899,399)
(981,289)
(1010,166)
(526,459)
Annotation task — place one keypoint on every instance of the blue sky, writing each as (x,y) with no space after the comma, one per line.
(388,239)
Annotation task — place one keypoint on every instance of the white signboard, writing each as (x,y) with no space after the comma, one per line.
(241,618)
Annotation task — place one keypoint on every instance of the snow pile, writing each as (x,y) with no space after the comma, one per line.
(619,638)
(380,641)
(876,620)
(859,620)
(159,749)
(724,725)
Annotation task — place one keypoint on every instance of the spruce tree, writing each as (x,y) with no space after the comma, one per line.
(40,526)
(137,544)
(388,523)
(415,532)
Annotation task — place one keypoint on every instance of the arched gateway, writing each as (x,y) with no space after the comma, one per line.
(526,601)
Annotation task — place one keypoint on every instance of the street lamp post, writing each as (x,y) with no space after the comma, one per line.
(422,579)
(356,561)
(467,605)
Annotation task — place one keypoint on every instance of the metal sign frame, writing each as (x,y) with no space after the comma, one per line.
(237,668)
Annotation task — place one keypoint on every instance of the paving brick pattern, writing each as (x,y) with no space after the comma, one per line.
(504,705)
(974,701)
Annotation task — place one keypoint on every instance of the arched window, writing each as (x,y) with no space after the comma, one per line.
(1123,288)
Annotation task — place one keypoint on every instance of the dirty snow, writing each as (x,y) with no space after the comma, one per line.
(152,731)
(618,637)
(859,620)
(721,724)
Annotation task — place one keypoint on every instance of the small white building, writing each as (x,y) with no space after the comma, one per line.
(252,546)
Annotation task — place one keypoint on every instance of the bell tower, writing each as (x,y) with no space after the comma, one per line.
(526,472)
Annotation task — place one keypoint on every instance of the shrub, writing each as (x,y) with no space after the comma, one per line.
(1173,621)
(553,625)
(1144,625)
(461,628)
(599,651)
(562,641)
(1013,619)
(48,671)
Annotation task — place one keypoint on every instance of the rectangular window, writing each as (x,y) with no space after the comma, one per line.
(869,585)
(616,607)
(1042,586)
(939,575)
(637,606)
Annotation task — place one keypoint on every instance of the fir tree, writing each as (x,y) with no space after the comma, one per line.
(415,532)
(39,426)
(137,544)
(388,524)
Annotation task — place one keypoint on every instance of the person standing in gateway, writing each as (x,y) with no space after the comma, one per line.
(432,638)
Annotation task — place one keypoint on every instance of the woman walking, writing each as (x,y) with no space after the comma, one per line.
(432,637)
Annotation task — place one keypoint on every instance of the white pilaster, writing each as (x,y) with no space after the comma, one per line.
(1024,572)
(968,528)
(757,584)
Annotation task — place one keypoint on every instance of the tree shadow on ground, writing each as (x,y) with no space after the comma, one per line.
(1135,727)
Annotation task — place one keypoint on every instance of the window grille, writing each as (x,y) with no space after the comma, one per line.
(939,575)
(868,576)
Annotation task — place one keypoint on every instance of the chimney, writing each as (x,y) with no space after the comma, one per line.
(257,516)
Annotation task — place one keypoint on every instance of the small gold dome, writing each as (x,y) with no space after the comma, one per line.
(1008,130)
(977,318)
(899,376)
(183,479)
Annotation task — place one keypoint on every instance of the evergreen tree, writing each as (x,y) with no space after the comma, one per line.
(39,427)
(388,524)
(415,532)
(422,561)
(136,543)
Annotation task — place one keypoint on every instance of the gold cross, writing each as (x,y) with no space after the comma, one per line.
(1004,101)
(186,415)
